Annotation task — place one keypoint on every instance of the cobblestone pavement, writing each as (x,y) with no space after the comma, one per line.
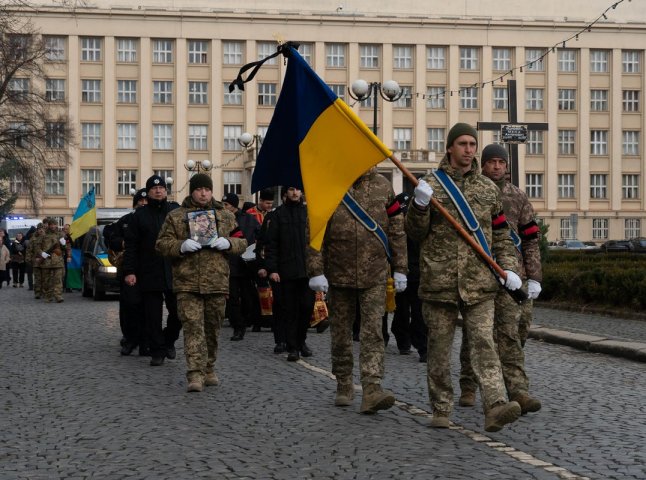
(73,408)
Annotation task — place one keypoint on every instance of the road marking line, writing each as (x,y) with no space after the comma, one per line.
(475,436)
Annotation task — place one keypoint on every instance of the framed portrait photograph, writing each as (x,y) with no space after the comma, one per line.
(202,226)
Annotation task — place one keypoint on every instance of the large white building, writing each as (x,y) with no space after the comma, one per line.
(146,83)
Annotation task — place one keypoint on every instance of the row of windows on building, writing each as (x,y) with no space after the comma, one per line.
(127,180)
(370,55)
(600,228)
(435,96)
(232,182)
(163,135)
(599,189)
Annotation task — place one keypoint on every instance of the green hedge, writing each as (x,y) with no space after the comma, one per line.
(592,278)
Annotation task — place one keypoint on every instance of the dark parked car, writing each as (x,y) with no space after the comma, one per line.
(639,244)
(617,246)
(99,276)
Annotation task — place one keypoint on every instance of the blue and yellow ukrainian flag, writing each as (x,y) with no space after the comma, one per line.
(315,142)
(85,215)
(84,218)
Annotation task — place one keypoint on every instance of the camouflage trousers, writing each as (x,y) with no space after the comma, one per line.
(52,283)
(441,319)
(343,305)
(38,281)
(510,352)
(525,322)
(201,317)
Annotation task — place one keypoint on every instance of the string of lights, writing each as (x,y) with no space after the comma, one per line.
(499,78)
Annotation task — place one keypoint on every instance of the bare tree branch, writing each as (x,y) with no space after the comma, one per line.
(34,130)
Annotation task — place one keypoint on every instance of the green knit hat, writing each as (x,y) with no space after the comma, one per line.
(458,130)
(494,151)
(200,180)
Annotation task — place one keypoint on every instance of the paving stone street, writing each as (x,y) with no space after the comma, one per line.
(73,408)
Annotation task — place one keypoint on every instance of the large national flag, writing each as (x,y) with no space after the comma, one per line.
(84,218)
(314,142)
(85,215)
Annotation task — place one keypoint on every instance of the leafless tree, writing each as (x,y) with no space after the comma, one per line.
(34,129)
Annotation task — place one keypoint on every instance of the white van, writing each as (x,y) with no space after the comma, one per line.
(16,224)
(105,216)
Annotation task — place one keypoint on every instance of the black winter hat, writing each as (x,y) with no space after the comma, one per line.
(458,130)
(494,151)
(155,181)
(200,180)
(232,199)
(141,193)
(267,194)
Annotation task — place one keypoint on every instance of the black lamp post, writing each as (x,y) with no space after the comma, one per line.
(199,166)
(362,90)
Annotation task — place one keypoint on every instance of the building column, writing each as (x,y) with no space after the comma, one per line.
(145,111)
(74,110)
(109,190)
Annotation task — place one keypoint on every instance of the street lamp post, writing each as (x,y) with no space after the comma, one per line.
(169,185)
(247,140)
(362,90)
(198,166)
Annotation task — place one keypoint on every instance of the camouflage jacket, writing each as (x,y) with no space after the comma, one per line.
(50,243)
(352,256)
(520,216)
(207,270)
(450,270)
(32,247)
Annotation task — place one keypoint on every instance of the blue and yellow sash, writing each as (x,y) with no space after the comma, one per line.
(463,207)
(367,221)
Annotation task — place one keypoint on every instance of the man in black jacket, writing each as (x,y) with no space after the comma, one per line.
(241,287)
(142,266)
(285,260)
(408,324)
(131,320)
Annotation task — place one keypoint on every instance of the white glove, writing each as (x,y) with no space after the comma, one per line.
(319,283)
(62,240)
(423,193)
(221,243)
(190,245)
(400,281)
(45,255)
(533,289)
(513,281)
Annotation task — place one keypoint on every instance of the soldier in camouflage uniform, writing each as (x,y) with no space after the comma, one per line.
(454,279)
(200,278)
(520,217)
(34,260)
(355,263)
(50,249)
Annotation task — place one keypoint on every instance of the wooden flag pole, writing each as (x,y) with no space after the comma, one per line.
(460,229)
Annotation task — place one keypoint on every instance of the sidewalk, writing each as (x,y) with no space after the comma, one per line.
(591,332)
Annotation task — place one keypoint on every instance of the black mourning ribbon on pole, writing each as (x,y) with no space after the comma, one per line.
(239,82)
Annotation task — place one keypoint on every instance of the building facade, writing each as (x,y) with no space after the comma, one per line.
(146,88)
